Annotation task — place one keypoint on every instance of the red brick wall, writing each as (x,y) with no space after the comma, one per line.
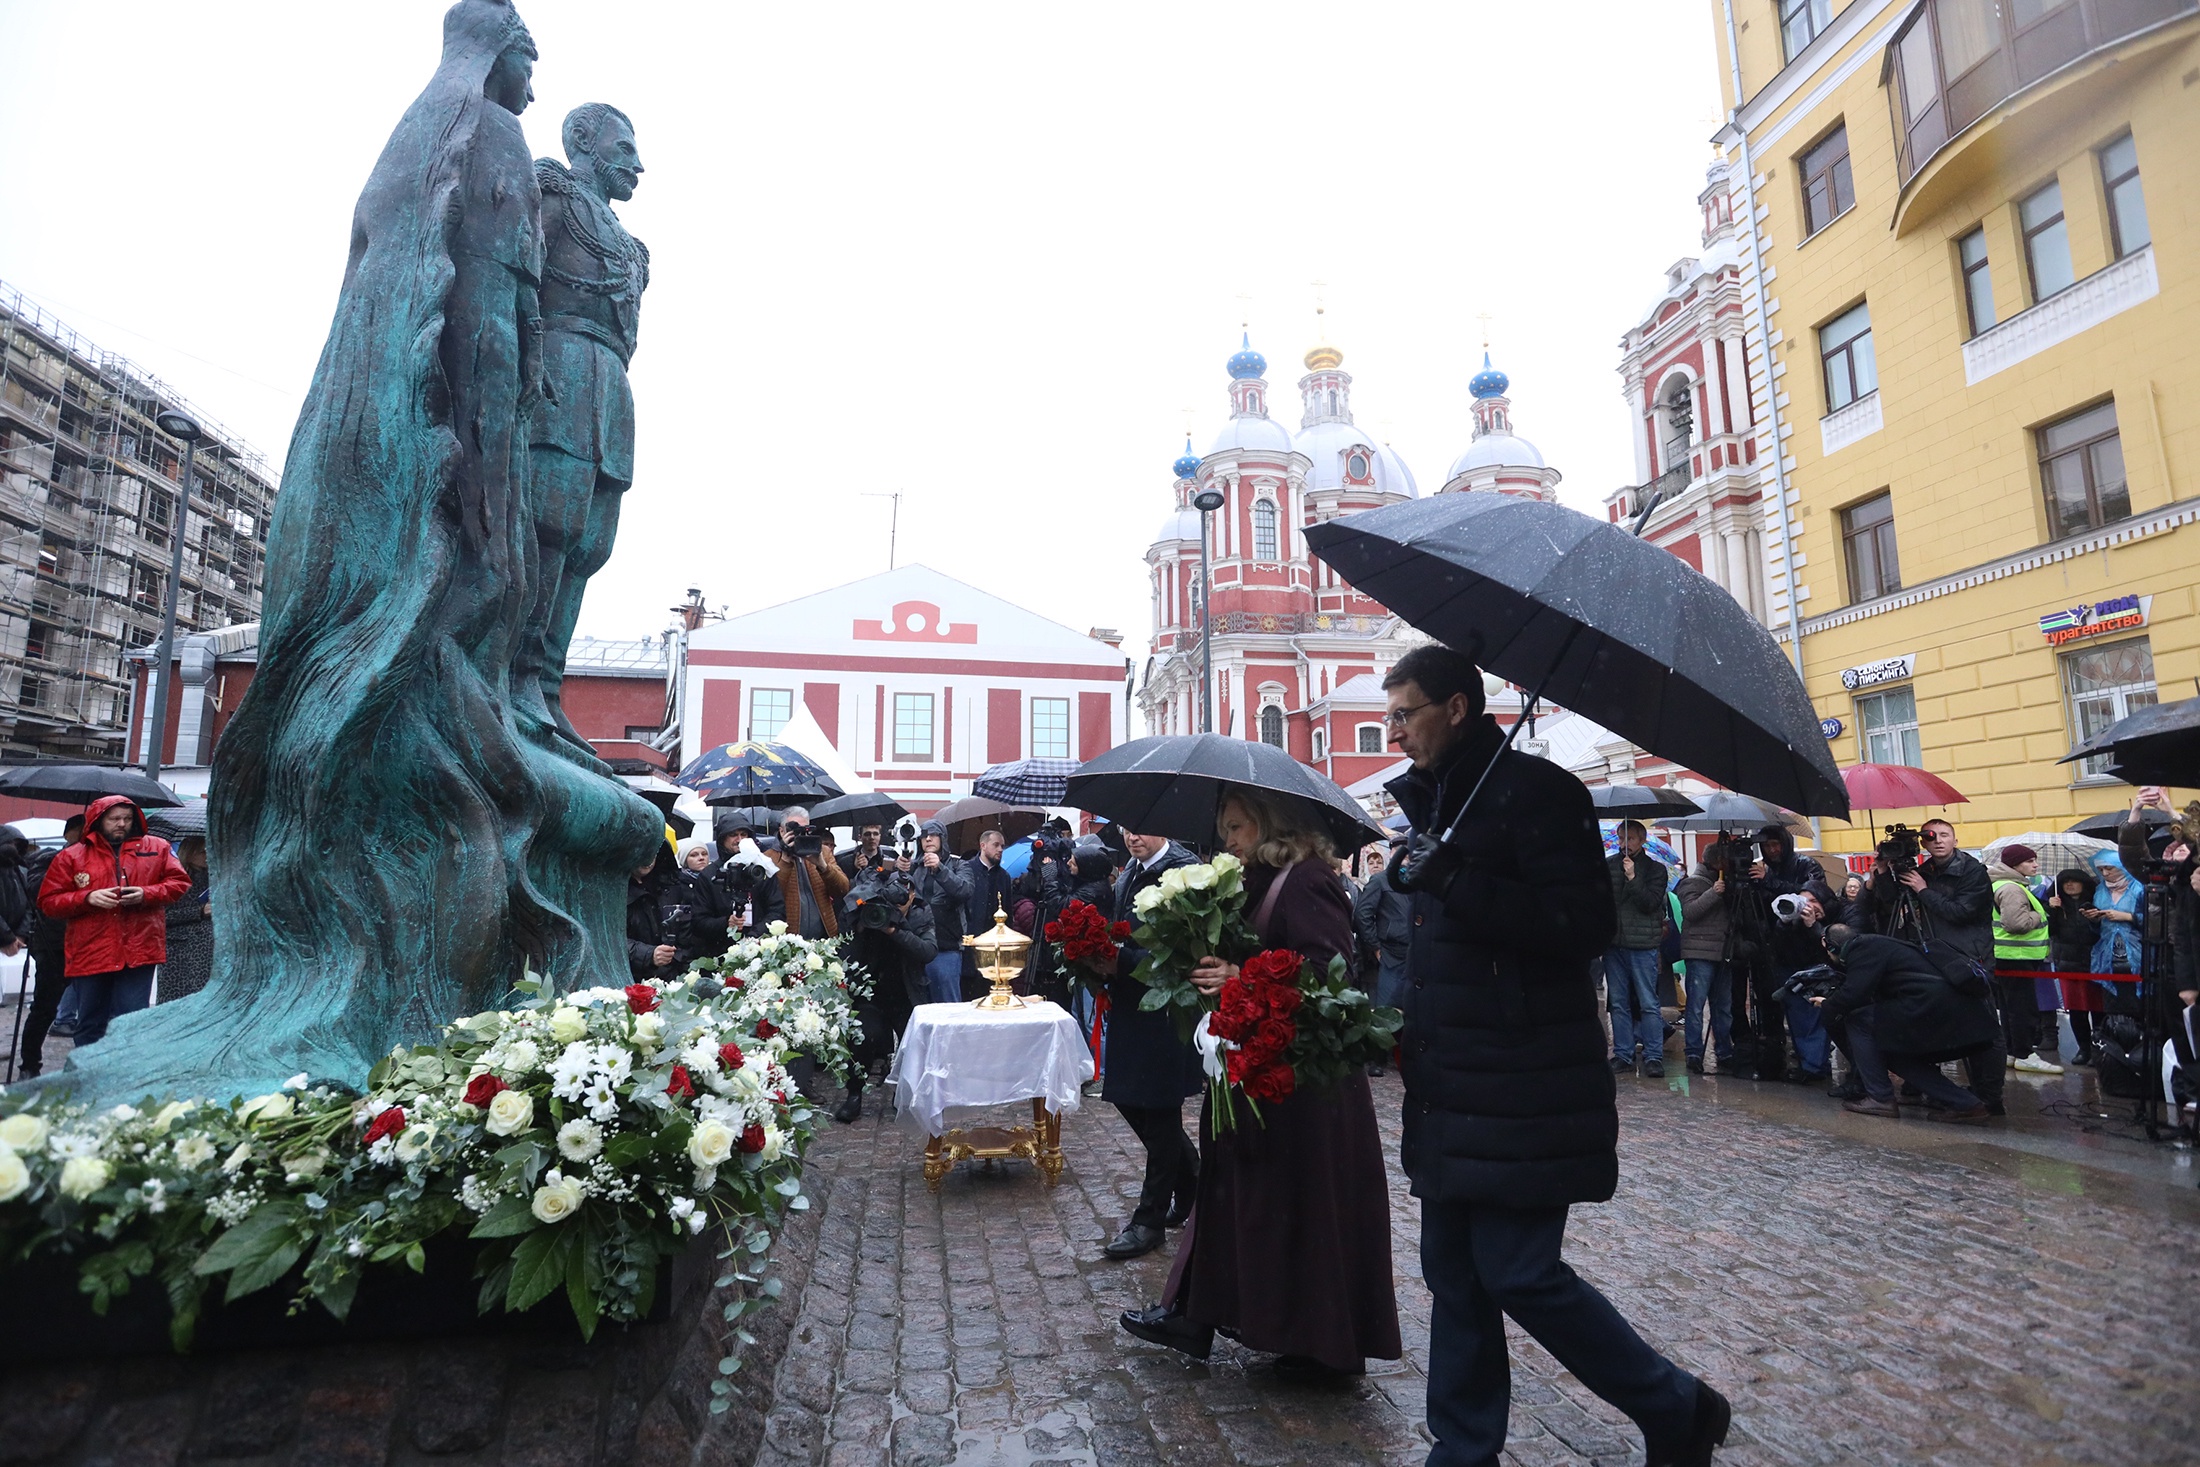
(606,707)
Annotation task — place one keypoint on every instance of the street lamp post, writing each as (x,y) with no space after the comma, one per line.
(1206,501)
(180,426)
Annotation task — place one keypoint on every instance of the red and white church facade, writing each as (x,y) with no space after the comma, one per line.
(1299,655)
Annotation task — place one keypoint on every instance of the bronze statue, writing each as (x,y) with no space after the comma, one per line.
(582,445)
(392,845)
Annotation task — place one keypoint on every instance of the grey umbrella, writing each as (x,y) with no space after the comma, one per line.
(1652,803)
(1599,622)
(1726,810)
(2158,745)
(1175,785)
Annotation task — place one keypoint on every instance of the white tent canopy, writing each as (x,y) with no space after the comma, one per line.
(803,735)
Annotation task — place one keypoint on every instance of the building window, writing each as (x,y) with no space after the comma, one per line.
(2046,242)
(1978,280)
(1271,725)
(1321,744)
(769,710)
(912,725)
(37,693)
(1355,467)
(1264,530)
(1867,536)
(1371,738)
(1889,724)
(2082,472)
(146,585)
(641,733)
(1050,728)
(1828,190)
(1845,345)
(1680,426)
(2104,684)
(1801,21)
(2127,207)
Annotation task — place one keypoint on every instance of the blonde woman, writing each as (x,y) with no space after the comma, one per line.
(1288,1247)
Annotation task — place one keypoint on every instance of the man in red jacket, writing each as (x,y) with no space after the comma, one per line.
(110,886)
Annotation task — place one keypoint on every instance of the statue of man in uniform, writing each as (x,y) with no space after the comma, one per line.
(582,443)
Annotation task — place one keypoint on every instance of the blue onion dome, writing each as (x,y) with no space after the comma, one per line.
(1489,382)
(1247,363)
(1188,465)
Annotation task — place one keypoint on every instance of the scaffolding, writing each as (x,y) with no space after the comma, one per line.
(88,496)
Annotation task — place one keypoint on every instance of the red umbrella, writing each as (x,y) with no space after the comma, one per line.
(1898,787)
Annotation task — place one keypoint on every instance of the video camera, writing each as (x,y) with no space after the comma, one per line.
(1898,853)
(746,869)
(906,839)
(803,842)
(1819,981)
(878,900)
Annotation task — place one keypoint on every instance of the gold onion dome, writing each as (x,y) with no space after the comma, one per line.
(1323,358)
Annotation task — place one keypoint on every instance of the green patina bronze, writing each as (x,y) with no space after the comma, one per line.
(402,822)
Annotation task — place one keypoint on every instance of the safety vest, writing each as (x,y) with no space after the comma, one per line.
(2025,948)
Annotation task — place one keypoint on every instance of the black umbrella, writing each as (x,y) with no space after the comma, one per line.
(2158,745)
(180,823)
(2105,825)
(664,799)
(80,784)
(1651,803)
(1583,613)
(1174,786)
(1726,810)
(858,810)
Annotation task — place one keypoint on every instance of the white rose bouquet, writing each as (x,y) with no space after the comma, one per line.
(1191,913)
(798,997)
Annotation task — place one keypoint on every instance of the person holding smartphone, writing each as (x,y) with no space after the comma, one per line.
(111,885)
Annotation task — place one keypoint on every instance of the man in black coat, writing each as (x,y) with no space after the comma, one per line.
(1150,1068)
(1779,870)
(891,939)
(1509,1115)
(1896,1010)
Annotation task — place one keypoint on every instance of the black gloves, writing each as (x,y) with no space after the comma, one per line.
(1428,866)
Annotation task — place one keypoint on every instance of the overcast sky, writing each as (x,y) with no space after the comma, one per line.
(993,256)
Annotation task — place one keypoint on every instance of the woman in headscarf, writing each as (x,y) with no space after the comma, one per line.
(1288,1246)
(2117,950)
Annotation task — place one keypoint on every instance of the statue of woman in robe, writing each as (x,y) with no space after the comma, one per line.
(372,807)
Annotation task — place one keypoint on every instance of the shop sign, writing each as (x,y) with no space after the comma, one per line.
(1871,674)
(2095,619)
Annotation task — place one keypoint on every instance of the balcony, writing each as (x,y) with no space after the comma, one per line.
(1844,426)
(1957,60)
(2102,294)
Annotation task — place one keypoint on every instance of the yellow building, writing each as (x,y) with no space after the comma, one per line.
(1977,267)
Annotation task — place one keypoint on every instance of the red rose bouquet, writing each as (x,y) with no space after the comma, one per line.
(1083,940)
(1284,1024)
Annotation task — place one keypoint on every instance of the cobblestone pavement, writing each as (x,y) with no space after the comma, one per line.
(1860,1301)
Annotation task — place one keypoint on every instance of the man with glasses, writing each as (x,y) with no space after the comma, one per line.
(1510,1116)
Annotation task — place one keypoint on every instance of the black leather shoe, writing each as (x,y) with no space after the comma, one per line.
(1653,1068)
(850,1110)
(1179,1214)
(1157,1326)
(1135,1241)
(1713,1417)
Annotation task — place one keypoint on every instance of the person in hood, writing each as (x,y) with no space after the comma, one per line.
(944,886)
(111,886)
(1778,871)
(1899,1013)
(662,919)
(2070,938)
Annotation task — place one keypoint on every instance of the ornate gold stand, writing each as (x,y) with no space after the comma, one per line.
(1039,1143)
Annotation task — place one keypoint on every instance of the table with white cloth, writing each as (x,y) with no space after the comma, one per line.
(957,1059)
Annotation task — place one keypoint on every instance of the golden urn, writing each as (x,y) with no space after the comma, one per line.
(1001,955)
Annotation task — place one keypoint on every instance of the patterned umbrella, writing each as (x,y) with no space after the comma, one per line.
(1027,781)
(767,774)
(1657,850)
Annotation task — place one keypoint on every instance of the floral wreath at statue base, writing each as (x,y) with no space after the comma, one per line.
(582,1139)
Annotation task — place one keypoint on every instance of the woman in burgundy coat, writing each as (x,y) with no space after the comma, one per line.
(1288,1247)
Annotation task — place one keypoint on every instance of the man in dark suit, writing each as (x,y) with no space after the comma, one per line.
(1509,1114)
(1150,1069)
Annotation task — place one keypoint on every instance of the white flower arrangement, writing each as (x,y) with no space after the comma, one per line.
(580,1139)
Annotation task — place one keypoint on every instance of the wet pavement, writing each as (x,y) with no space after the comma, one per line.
(1864,1290)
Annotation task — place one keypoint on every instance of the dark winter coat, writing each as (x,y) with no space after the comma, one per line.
(1959,902)
(779,900)
(110,939)
(894,957)
(1146,1063)
(1382,921)
(1916,1012)
(1641,901)
(2070,932)
(18,897)
(991,889)
(2136,843)
(1509,1095)
(190,960)
(945,889)
(1705,915)
(669,907)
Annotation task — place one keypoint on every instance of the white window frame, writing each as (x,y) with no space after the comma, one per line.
(2121,700)
(1052,748)
(930,706)
(1268,518)
(1321,743)
(1359,737)
(1907,744)
(1260,724)
(756,719)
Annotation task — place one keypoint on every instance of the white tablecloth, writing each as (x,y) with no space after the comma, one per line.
(955,1058)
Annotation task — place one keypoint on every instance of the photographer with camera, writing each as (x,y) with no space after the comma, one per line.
(1896,1010)
(944,887)
(1705,920)
(809,887)
(891,939)
(1799,943)
(867,855)
(661,918)
(1778,870)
